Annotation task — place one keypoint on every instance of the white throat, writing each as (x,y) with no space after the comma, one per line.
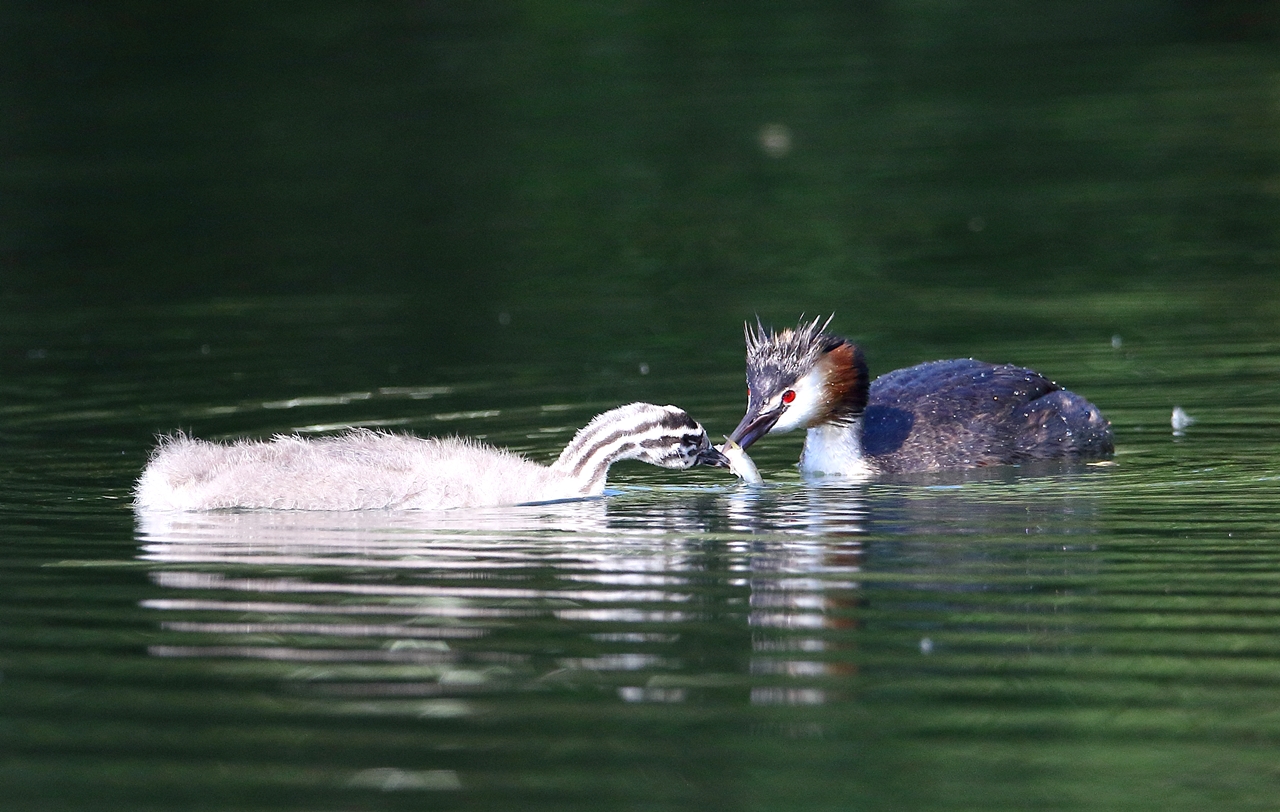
(835,449)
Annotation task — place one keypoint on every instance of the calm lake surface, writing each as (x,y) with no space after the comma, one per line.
(499,226)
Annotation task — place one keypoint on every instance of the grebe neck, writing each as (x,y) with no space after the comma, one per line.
(835,449)
(586,464)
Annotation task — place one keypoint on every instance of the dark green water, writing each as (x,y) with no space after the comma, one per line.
(499,221)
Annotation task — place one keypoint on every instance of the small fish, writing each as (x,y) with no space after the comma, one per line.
(740,464)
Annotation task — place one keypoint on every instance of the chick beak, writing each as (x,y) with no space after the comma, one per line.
(710,456)
(755,424)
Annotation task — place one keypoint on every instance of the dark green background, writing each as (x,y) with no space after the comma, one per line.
(470,155)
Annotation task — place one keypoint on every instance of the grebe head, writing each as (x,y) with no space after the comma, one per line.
(800,378)
(676,441)
(659,435)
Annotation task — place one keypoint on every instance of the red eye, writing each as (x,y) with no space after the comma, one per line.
(788,396)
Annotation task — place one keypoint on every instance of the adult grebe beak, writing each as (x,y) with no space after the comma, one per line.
(755,425)
(710,456)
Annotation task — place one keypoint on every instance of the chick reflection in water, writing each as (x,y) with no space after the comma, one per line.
(368,470)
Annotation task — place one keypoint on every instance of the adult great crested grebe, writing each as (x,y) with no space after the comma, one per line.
(368,470)
(943,414)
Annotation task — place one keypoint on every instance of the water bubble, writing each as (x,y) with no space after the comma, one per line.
(1180,420)
(775,140)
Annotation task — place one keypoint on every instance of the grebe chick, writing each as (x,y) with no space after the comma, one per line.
(365,470)
(943,414)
